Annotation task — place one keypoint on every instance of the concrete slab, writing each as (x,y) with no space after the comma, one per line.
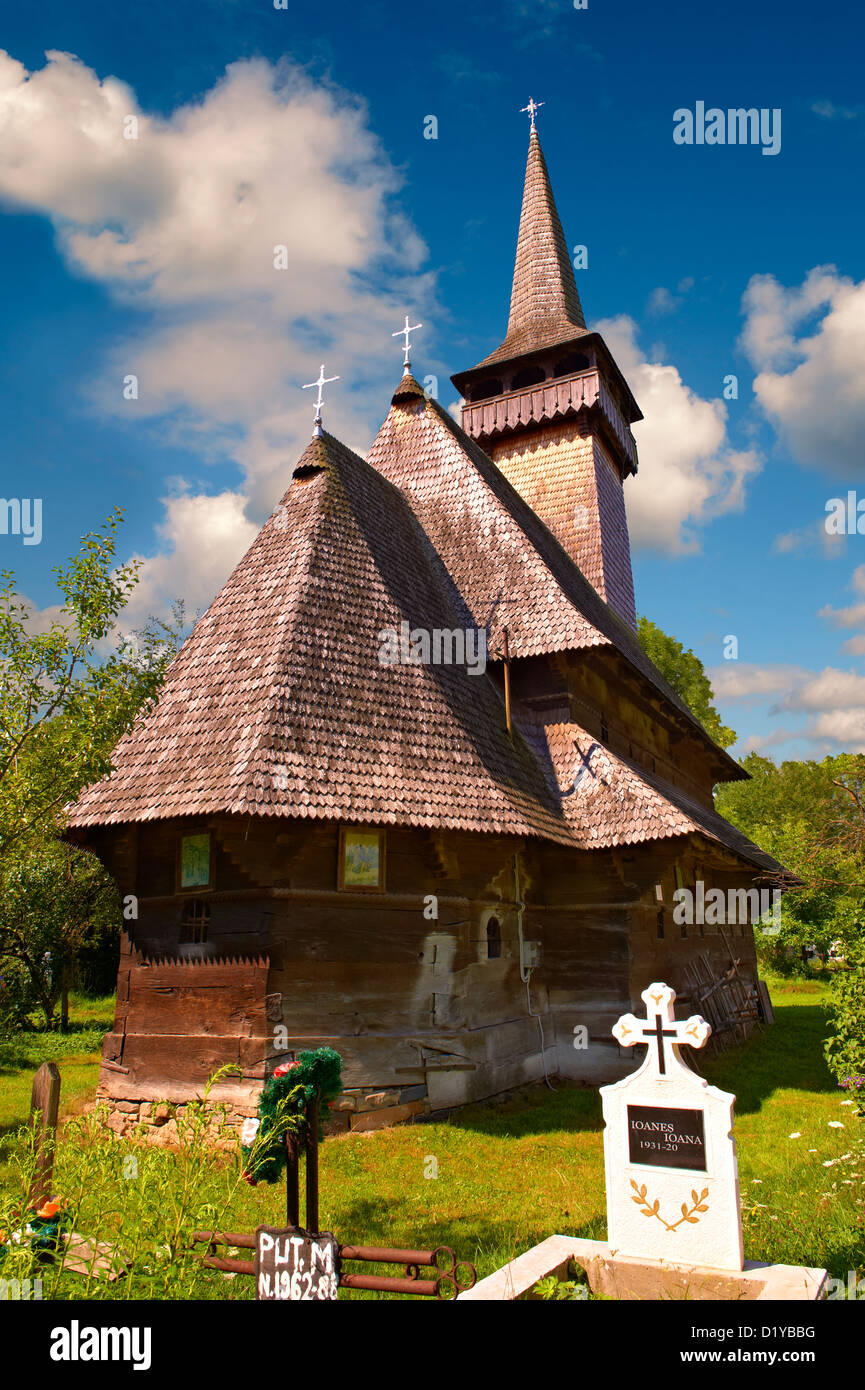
(626,1277)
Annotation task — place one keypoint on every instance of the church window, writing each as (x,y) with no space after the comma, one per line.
(576,362)
(484,389)
(494,939)
(195,861)
(196,920)
(529,376)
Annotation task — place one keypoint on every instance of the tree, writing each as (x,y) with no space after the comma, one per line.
(59,908)
(685,673)
(67,695)
(64,702)
(811,817)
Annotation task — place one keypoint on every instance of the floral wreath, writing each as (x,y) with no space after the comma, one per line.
(282,1111)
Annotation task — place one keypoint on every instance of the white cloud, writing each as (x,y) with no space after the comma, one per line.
(744,680)
(203,538)
(827,690)
(689,474)
(807,345)
(810,538)
(830,111)
(181,224)
(833,701)
(661,301)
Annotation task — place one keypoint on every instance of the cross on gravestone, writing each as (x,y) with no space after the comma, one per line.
(693,1031)
(669,1154)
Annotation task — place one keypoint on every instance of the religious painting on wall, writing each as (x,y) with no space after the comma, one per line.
(361,859)
(195,861)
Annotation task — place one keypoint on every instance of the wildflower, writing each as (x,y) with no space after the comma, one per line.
(49,1209)
(829,1163)
(756,1179)
(797,1134)
(835,1124)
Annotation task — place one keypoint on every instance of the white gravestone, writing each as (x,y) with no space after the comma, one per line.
(669,1153)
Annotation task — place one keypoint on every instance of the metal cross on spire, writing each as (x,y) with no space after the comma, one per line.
(532,107)
(404,333)
(322,381)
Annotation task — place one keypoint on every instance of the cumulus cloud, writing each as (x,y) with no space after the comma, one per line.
(745,681)
(807,345)
(256,231)
(689,472)
(202,540)
(832,700)
(852,615)
(809,538)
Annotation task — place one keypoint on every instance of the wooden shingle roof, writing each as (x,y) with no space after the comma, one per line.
(545,306)
(508,567)
(609,800)
(279,705)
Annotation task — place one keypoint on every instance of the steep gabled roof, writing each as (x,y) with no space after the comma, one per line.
(278,704)
(545,305)
(508,567)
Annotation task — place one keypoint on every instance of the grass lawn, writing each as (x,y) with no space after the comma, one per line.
(510,1174)
(77,1054)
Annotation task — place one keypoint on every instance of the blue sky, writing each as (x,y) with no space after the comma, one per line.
(305,127)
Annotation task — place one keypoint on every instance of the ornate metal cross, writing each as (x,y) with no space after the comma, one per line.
(532,107)
(322,381)
(659,999)
(404,333)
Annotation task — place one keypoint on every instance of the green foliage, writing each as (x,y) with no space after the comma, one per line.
(845,1048)
(66,698)
(64,702)
(59,910)
(685,673)
(806,814)
(282,1107)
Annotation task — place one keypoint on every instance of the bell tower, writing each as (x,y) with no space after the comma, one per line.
(550,406)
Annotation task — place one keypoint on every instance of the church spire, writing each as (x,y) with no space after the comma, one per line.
(545,305)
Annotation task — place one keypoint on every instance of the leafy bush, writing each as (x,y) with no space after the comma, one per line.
(845,1048)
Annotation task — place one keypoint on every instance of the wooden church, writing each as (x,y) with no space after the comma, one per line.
(457,875)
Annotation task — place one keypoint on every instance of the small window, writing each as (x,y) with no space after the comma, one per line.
(605,731)
(494,939)
(661,925)
(195,920)
(529,376)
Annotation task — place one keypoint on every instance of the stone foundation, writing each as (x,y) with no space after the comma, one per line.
(360,1110)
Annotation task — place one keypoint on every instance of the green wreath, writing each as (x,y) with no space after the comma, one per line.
(282,1110)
